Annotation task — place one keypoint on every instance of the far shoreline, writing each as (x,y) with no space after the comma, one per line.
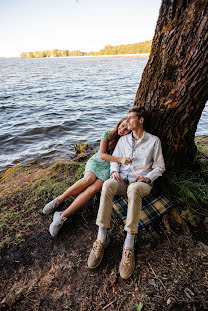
(139,55)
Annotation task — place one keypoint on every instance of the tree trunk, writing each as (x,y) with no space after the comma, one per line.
(174,85)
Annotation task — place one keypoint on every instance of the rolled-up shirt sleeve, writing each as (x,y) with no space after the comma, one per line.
(158,166)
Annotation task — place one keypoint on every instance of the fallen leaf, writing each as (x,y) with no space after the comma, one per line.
(139,306)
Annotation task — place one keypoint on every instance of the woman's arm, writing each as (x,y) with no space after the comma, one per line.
(104,156)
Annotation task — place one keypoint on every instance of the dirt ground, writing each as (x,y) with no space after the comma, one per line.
(39,272)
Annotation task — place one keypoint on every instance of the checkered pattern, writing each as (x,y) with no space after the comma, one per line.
(153,207)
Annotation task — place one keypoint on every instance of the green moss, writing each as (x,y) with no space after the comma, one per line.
(2,226)
(31,207)
(203,149)
(59,188)
(52,175)
(10,172)
(15,223)
(65,167)
(41,181)
(204,163)
(80,173)
(5,242)
(20,209)
(19,239)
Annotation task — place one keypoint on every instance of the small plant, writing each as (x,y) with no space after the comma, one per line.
(82,147)
(193,190)
(139,306)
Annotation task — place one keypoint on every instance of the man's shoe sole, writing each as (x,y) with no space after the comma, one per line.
(128,276)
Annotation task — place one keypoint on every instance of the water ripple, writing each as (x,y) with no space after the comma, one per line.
(49,105)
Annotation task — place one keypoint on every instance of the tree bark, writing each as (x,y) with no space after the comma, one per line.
(174,84)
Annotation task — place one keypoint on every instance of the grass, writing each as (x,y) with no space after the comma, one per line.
(27,188)
(21,202)
(192,187)
(192,190)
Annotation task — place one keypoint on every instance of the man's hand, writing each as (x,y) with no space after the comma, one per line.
(116,176)
(142,179)
(125,161)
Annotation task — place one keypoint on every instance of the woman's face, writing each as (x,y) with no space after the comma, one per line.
(123,129)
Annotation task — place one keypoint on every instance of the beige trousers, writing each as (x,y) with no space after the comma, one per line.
(134,191)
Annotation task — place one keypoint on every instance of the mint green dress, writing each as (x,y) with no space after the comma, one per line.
(100,168)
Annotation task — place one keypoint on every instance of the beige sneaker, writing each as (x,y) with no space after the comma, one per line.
(96,254)
(127,263)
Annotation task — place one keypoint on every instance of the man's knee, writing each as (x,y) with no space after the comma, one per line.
(138,188)
(109,185)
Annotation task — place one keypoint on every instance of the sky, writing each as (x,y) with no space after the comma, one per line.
(86,25)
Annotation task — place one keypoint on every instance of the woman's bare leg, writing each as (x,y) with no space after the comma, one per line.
(88,179)
(83,198)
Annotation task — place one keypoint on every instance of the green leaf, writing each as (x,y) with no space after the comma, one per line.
(139,306)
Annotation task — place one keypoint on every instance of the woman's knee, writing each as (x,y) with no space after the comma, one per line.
(91,190)
(89,178)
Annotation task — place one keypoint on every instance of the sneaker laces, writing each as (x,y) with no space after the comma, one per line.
(127,258)
(97,247)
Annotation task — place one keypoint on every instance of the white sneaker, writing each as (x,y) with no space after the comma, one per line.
(51,206)
(57,223)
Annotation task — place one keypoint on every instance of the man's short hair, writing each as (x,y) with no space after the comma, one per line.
(140,111)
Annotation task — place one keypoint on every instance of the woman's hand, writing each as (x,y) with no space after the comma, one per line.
(125,161)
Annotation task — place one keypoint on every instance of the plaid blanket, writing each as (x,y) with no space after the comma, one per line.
(153,207)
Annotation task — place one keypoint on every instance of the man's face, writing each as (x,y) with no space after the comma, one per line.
(133,121)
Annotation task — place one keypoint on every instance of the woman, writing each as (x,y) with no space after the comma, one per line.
(97,170)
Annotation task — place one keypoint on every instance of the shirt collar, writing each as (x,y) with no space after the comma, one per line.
(140,139)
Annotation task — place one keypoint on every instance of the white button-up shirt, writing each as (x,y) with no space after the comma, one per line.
(146,156)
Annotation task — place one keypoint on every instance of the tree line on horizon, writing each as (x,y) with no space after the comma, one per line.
(135,48)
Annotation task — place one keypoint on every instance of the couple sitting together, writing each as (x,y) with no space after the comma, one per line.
(128,162)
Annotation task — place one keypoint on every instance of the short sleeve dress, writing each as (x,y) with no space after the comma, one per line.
(99,167)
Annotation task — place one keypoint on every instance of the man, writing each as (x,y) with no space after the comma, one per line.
(134,180)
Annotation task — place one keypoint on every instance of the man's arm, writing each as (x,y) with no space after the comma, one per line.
(158,162)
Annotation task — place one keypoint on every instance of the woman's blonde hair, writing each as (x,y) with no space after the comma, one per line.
(114,137)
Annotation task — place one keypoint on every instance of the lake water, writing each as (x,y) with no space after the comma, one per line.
(49,105)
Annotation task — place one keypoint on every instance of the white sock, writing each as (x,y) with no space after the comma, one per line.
(102,232)
(129,241)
